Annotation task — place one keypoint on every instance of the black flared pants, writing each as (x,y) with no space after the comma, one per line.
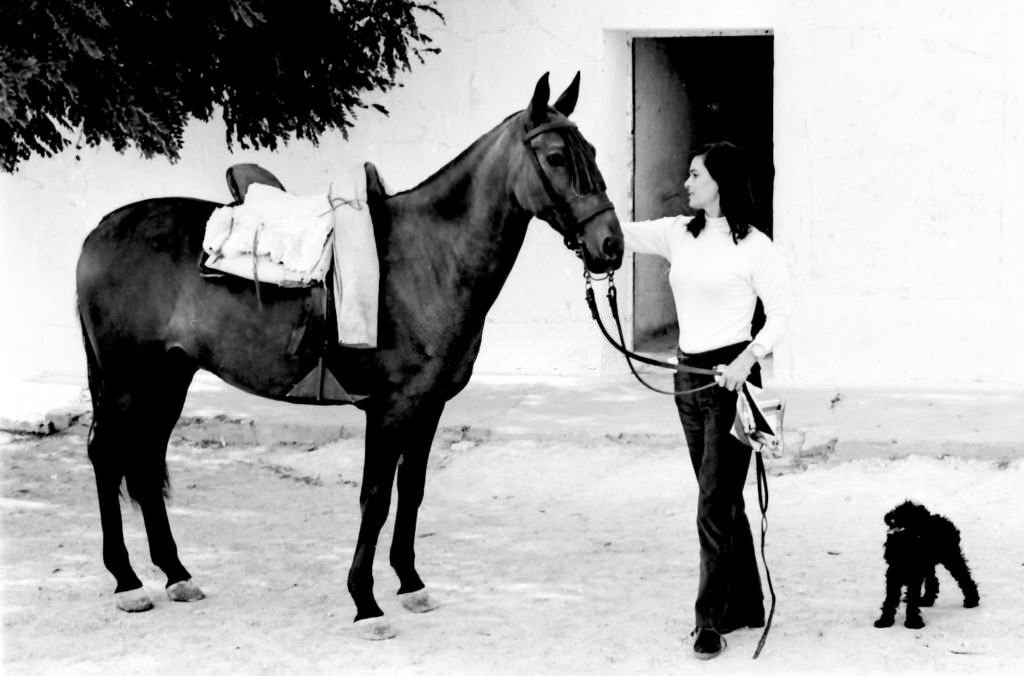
(729,592)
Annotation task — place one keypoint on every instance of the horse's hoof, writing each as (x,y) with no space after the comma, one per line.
(419,601)
(884,622)
(133,600)
(375,629)
(914,623)
(186,591)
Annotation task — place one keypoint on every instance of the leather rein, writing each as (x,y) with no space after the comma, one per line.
(613,303)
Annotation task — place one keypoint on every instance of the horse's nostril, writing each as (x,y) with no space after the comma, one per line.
(612,247)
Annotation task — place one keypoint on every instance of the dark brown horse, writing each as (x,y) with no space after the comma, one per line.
(446,247)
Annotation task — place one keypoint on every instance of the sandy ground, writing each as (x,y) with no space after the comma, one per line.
(548,558)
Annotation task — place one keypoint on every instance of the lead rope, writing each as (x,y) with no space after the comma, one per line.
(630,356)
(762,501)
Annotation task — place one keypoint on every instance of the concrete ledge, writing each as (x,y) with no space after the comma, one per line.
(821,424)
(42,407)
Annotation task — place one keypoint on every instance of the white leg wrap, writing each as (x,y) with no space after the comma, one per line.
(375,629)
(133,600)
(419,601)
(186,590)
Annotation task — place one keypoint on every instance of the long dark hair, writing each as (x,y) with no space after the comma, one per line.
(727,164)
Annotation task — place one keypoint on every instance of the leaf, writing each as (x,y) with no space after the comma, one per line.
(130,73)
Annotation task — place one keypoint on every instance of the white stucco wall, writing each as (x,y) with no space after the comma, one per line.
(899,158)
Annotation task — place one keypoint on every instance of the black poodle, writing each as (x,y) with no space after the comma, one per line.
(917,541)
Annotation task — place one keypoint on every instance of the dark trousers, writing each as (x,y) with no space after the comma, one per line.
(729,594)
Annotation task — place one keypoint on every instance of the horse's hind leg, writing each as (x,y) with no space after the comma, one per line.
(133,419)
(129,594)
(155,413)
(106,453)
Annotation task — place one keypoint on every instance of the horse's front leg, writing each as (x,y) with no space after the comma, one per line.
(412,470)
(389,435)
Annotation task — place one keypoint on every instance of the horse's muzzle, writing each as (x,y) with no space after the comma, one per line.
(602,243)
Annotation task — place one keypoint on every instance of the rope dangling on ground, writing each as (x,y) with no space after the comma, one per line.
(762,501)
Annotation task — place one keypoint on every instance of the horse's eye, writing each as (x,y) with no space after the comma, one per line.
(556,159)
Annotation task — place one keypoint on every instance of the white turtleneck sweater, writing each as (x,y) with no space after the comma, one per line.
(716,282)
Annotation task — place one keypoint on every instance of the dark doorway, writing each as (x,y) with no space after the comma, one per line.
(688,91)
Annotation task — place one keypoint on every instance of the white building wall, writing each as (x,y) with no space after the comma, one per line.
(899,158)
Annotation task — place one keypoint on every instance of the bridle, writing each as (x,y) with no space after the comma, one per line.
(571,214)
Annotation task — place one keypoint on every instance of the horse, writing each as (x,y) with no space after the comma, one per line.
(150,320)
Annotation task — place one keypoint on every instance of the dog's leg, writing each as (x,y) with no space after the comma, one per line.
(931,589)
(914,619)
(892,599)
(957,567)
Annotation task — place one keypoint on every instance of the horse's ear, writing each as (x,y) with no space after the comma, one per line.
(539,103)
(566,103)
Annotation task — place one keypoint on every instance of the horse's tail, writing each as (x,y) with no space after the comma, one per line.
(94,375)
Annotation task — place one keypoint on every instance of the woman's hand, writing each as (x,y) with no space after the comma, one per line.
(733,376)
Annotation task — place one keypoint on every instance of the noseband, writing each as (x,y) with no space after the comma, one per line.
(572,214)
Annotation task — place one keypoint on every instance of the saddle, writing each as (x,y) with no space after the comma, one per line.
(319,385)
(241,176)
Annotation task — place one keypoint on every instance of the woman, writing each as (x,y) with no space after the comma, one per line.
(720,266)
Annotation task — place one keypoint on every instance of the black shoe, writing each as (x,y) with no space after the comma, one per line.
(709,644)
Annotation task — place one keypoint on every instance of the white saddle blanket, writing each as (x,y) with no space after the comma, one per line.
(274,236)
(287,240)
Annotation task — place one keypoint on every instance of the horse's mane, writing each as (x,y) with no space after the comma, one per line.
(584,175)
(458,158)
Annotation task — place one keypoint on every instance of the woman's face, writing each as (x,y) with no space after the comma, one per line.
(701,188)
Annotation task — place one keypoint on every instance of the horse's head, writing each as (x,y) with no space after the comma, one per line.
(560,183)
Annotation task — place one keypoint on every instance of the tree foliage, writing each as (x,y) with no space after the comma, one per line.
(134,72)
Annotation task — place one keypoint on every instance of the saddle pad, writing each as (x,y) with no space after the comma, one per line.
(278,238)
(275,237)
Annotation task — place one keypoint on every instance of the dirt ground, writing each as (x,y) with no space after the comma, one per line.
(547,558)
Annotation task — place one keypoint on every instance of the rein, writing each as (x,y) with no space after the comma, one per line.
(621,345)
(760,472)
(762,502)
